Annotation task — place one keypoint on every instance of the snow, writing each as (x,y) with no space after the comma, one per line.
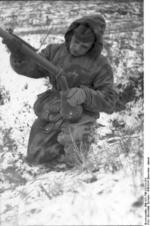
(95,203)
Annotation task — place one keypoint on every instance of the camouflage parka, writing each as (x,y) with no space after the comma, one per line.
(91,72)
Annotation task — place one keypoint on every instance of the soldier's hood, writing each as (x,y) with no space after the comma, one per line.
(97,25)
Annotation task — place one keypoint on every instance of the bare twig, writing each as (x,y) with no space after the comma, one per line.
(45,191)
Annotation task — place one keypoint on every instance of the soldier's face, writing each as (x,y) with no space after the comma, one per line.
(78,48)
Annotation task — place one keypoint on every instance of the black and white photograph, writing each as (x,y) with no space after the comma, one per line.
(72,113)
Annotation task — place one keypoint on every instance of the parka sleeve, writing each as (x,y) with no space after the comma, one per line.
(27,67)
(102,96)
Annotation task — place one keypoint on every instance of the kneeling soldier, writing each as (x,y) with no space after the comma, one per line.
(90,80)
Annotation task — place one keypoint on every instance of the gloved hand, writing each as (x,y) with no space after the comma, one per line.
(76,96)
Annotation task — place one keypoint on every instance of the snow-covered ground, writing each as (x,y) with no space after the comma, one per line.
(108,188)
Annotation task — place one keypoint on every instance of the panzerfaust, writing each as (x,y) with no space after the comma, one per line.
(68,112)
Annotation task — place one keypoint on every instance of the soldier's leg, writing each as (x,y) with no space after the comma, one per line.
(77,138)
(43,145)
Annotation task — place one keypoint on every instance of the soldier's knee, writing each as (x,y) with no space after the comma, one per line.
(74,134)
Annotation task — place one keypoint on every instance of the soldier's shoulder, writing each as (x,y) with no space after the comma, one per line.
(103,59)
(101,62)
(52,49)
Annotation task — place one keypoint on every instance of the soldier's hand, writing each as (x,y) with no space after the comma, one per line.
(76,96)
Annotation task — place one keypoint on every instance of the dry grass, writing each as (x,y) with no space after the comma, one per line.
(112,155)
